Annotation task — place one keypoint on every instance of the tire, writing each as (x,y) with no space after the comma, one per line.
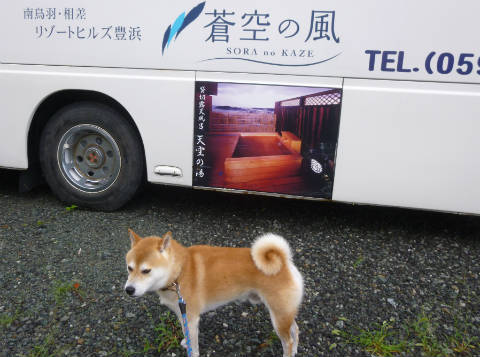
(91,156)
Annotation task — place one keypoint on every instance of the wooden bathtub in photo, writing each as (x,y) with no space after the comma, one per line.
(262,161)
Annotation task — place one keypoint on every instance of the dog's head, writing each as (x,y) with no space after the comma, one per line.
(148,263)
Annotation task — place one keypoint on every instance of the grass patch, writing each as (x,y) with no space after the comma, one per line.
(7,319)
(61,290)
(43,349)
(71,208)
(461,341)
(168,333)
(271,339)
(420,336)
(422,332)
(48,347)
(381,341)
(358,262)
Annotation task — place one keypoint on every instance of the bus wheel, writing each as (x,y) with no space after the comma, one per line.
(92,156)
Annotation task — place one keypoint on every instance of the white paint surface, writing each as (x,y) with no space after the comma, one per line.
(409,144)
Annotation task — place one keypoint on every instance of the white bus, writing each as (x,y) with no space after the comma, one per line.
(371,102)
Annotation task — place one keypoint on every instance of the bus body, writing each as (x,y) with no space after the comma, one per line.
(362,102)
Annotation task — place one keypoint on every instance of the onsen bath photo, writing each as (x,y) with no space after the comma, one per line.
(266,138)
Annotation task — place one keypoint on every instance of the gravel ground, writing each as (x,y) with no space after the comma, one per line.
(63,274)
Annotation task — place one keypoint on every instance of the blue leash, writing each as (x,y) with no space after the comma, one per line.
(183,310)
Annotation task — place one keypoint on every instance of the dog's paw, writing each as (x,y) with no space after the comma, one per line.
(184,345)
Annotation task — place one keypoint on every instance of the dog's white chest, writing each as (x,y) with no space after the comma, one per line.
(168,298)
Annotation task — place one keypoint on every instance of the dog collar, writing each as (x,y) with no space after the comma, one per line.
(172,287)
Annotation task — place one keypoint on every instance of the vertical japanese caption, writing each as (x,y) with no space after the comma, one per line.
(203,105)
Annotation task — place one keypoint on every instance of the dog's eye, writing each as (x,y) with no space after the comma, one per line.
(130,269)
(146,271)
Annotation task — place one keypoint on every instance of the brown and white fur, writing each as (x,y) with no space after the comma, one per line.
(213,276)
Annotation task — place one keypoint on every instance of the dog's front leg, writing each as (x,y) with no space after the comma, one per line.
(177,311)
(193,321)
(170,299)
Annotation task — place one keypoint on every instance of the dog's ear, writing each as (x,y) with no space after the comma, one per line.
(165,241)
(134,237)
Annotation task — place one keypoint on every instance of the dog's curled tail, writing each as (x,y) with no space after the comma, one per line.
(270,252)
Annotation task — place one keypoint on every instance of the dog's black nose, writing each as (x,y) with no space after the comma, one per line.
(130,290)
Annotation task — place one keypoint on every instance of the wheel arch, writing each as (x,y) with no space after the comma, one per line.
(57,100)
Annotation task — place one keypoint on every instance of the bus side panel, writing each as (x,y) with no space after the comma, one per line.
(160,103)
(426,40)
(409,144)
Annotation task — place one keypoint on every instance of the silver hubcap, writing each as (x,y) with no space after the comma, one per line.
(89,158)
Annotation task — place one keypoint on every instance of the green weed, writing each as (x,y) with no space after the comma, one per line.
(61,290)
(168,333)
(461,342)
(48,347)
(423,334)
(44,349)
(271,339)
(358,262)
(420,336)
(381,341)
(7,319)
(71,208)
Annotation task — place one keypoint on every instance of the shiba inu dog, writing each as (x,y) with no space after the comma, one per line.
(208,277)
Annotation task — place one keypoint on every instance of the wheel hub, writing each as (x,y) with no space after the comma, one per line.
(89,158)
(94,157)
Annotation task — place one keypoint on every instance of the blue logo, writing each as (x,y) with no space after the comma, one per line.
(180,23)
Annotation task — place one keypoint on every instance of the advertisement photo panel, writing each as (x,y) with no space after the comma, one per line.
(266,138)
